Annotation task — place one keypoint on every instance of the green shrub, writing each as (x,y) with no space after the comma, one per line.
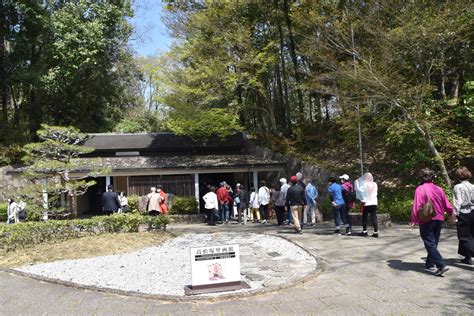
(184,205)
(133,203)
(397,203)
(3,212)
(28,234)
(326,208)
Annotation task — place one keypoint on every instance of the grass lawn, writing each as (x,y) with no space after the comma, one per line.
(90,246)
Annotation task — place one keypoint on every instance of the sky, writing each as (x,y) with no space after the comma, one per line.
(150,36)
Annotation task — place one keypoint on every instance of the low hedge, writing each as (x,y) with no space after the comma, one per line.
(3,212)
(184,205)
(28,234)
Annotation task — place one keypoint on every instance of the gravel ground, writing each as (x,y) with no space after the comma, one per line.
(265,261)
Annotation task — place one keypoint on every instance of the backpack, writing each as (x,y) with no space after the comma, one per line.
(349,196)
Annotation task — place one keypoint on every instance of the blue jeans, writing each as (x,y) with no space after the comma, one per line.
(289,216)
(225,213)
(429,233)
(339,211)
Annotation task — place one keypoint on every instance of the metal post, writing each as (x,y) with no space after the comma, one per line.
(359,129)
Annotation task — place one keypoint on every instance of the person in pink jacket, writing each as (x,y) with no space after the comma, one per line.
(430,230)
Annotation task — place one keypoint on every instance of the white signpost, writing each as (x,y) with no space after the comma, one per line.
(215,269)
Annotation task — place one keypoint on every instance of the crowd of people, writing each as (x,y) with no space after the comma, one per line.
(294,203)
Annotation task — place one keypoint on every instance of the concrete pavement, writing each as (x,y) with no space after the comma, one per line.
(360,276)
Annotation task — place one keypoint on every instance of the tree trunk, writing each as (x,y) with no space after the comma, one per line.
(294,59)
(456,86)
(443,83)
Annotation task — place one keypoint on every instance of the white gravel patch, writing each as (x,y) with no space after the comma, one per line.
(265,261)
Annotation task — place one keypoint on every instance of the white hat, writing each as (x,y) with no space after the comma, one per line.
(344,176)
(282,180)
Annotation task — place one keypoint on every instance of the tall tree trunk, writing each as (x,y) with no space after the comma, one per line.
(443,83)
(456,86)
(294,59)
(284,80)
(3,85)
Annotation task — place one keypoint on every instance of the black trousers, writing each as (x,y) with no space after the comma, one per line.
(264,212)
(372,209)
(280,214)
(466,234)
(211,216)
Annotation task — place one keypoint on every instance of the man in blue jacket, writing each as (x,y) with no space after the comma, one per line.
(311,202)
(338,205)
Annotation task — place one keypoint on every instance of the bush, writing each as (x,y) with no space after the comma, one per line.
(184,205)
(133,203)
(397,203)
(3,212)
(28,234)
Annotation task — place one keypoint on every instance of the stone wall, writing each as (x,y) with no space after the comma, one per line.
(320,175)
(9,182)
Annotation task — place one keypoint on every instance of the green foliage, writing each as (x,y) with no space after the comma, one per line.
(10,155)
(3,212)
(139,120)
(397,203)
(23,235)
(133,201)
(55,157)
(184,205)
(203,124)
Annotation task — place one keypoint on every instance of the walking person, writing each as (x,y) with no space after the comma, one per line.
(337,202)
(243,205)
(254,206)
(295,198)
(279,202)
(311,202)
(464,207)
(223,198)
(369,192)
(263,200)
(110,201)
(430,229)
(349,196)
(284,189)
(123,203)
(211,205)
(153,200)
(13,212)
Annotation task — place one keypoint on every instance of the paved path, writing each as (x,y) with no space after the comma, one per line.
(361,276)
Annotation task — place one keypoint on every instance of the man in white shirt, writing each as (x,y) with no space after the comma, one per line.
(211,205)
(263,200)
(284,189)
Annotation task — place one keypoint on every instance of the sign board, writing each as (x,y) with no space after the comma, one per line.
(215,265)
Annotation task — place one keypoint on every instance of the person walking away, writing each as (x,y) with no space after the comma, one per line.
(163,201)
(236,197)
(110,201)
(279,201)
(337,202)
(243,206)
(295,198)
(349,196)
(211,205)
(284,189)
(223,198)
(13,212)
(154,199)
(254,206)
(263,200)
(369,191)
(464,207)
(311,202)
(123,203)
(430,229)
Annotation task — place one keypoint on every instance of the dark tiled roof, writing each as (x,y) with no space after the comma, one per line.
(168,162)
(161,142)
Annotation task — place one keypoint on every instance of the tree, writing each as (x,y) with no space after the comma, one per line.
(54,158)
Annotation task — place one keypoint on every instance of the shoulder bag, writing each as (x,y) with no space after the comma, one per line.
(427,211)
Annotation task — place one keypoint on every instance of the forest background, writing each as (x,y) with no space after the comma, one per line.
(299,77)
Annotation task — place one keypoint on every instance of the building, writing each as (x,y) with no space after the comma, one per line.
(183,167)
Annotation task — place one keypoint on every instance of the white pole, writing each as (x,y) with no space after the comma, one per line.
(107,182)
(255,180)
(196,188)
